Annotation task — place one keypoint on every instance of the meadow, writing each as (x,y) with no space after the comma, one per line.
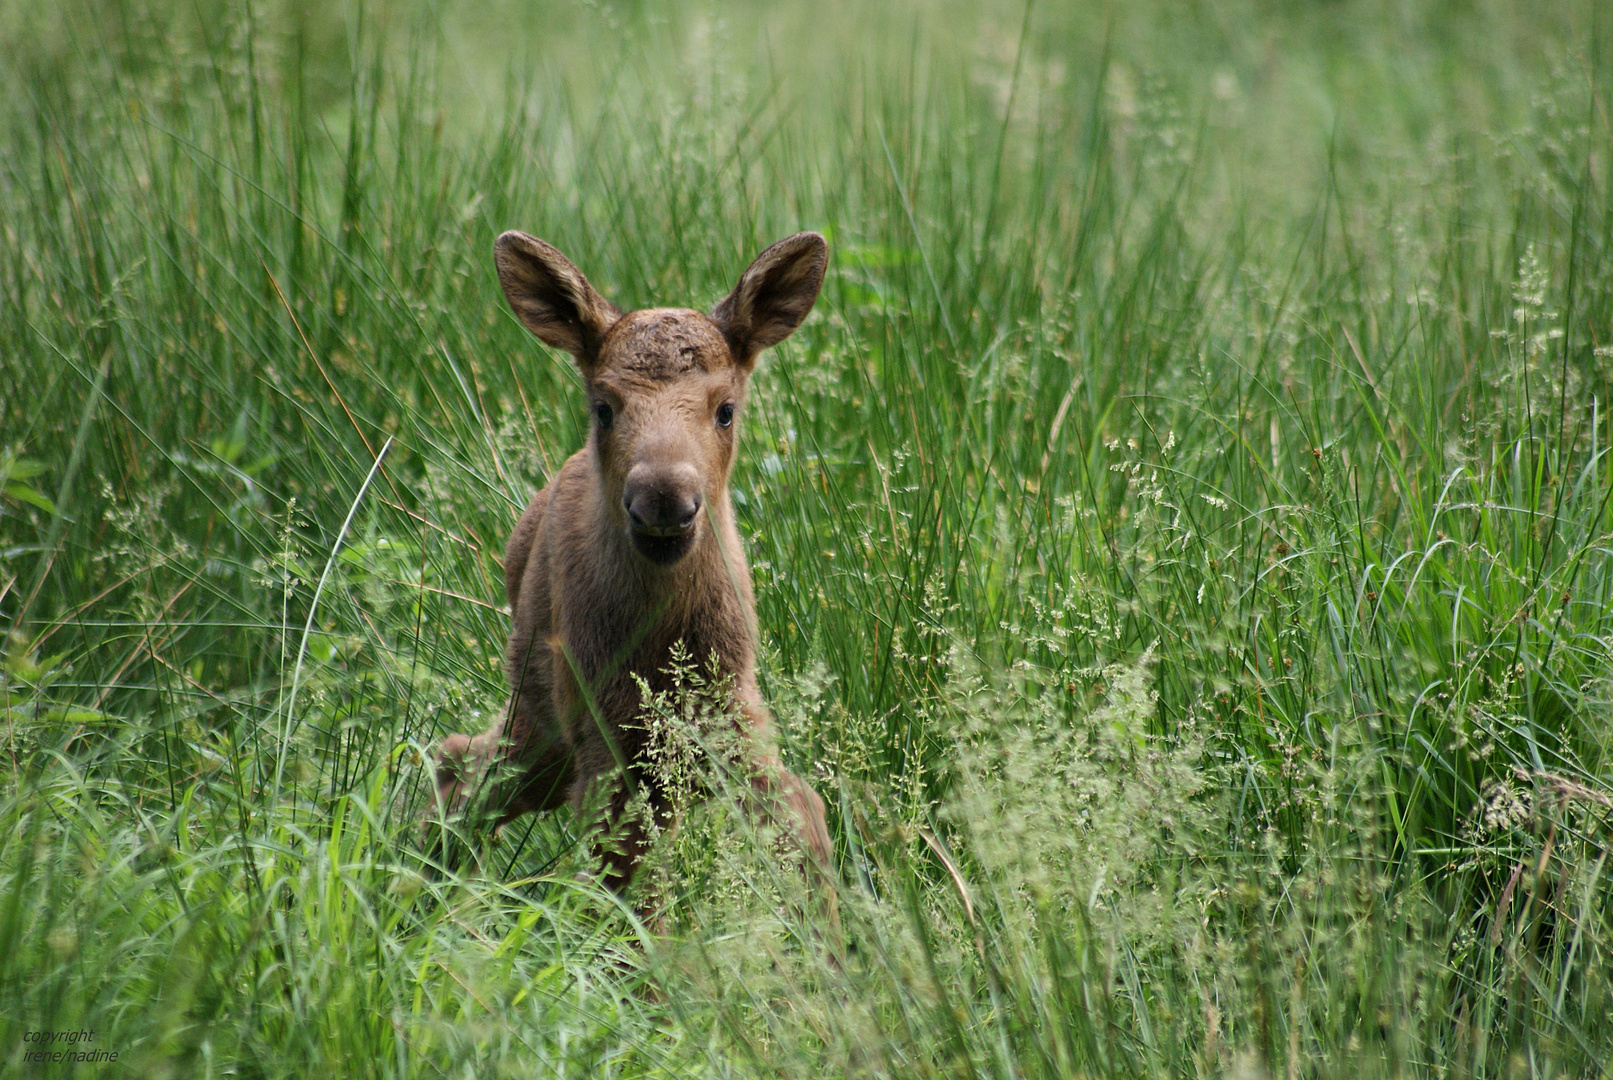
(1181,534)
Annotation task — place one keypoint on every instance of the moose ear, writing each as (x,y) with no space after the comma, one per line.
(773,296)
(551,296)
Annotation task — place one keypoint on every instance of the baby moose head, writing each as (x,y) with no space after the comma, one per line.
(665,385)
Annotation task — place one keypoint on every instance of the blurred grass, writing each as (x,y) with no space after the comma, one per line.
(1180,536)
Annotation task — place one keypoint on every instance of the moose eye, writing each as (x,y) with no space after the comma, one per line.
(603,413)
(725,414)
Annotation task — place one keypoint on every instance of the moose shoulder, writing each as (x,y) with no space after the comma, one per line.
(632,548)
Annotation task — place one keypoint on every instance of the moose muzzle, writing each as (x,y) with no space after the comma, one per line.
(663,510)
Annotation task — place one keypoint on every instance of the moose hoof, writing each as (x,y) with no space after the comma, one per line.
(451,757)
(452,760)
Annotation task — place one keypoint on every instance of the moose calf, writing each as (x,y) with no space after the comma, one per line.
(632,548)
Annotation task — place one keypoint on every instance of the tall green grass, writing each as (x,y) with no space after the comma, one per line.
(1181,534)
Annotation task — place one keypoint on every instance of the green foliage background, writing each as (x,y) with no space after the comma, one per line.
(1181,533)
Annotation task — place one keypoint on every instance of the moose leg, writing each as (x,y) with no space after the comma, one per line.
(781,791)
(626,834)
(509,769)
(460,762)
(805,813)
(623,835)
(805,820)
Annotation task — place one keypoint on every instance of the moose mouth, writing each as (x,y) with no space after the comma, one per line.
(663,548)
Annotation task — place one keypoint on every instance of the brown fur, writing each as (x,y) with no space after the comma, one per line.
(632,548)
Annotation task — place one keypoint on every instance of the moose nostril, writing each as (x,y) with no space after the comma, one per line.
(690,512)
